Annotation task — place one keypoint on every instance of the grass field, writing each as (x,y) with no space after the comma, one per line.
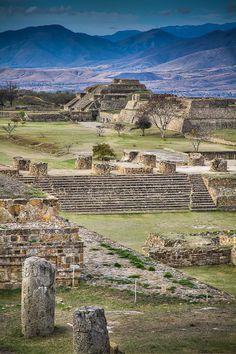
(38,140)
(226,134)
(132,229)
(152,325)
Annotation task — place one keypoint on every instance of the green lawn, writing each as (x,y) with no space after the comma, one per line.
(226,134)
(152,325)
(35,136)
(220,276)
(132,229)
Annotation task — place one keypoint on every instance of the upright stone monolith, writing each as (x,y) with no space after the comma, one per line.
(90,331)
(38,297)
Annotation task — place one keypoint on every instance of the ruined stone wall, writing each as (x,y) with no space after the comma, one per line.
(113,104)
(48,117)
(107,117)
(59,245)
(198,256)
(212,114)
(210,155)
(29,210)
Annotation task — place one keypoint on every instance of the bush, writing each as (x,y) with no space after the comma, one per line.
(102,150)
(168,275)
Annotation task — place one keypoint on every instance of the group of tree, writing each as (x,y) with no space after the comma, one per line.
(159,111)
(8,93)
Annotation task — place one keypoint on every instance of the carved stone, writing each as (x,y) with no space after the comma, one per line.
(38,297)
(90,331)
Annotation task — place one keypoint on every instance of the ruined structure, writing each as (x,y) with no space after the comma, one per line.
(31,226)
(99,100)
(38,297)
(193,250)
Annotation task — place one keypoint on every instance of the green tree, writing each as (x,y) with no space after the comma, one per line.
(143,123)
(102,150)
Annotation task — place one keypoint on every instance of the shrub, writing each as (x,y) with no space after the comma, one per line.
(168,275)
(102,150)
(117,265)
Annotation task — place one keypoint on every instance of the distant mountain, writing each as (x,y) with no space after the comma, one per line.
(120,35)
(180,48)
(57,47)
(52,46)
(153,39)
(212,58)
(190,31)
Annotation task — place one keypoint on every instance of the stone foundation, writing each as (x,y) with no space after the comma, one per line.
(38,169)
(203,250)
(196,159)
(21,164)
(167,167)
(133,169)
(218,165)
(83,162)
(61,245)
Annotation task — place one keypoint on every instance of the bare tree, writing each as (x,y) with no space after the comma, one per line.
(11,92)
(162,109)
(9,129)
(119,127)
(197,136)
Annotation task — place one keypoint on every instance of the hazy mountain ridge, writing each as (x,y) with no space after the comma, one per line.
(56,46)
(59,59)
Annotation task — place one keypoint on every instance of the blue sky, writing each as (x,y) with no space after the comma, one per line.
(105,17)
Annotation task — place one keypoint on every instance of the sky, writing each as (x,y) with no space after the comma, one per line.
(97,17)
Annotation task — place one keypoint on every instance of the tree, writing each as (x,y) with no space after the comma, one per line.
(197,136)
(11,92)
(162,109)
(9,129)
(103,150)
(143,123)
(119,127)
(2,96)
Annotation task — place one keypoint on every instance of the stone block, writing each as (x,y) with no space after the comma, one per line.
(21,164)
(38,297)
(38,169)
(90,334)
(167,167)
(195,159)
(218,165)
(83,162)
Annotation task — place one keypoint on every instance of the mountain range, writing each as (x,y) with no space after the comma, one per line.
(206,51)
(56,46)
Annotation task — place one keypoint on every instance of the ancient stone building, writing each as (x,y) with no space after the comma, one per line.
(99,99)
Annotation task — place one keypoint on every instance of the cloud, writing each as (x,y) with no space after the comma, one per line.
(231,7)
(184,10)
(166,13)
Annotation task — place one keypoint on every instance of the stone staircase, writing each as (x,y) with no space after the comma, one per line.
(200,198)
(123,194)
